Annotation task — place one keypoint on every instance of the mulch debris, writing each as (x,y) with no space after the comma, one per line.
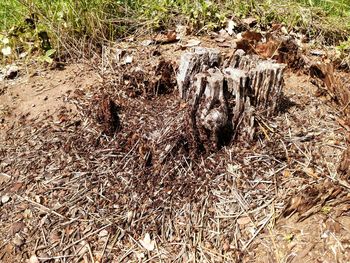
(116,180)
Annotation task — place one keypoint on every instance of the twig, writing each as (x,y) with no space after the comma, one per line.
(85,237)
(41,207)
(257,232)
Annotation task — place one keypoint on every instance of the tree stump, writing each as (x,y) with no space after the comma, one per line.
(225,100)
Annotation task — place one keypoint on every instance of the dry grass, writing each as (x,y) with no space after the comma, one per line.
(77,194)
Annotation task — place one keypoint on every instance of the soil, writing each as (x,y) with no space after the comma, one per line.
(40,93)
(74,191)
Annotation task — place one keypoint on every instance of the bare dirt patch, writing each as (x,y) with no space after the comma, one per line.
(40,93)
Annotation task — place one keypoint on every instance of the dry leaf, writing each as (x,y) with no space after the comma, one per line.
(286,173)
(27,214)
(267,50)
(245,45)
(17,227)
(284,30)
(4,178)
(147,243)
(226,246)
(252,36)
(140,256)
(171,36)
(230,26)
(103,233)
(334,226)
(18,240)
(276,27)
(293,205)
(192,43)
(55,236)
(310,172)
(250,21)
(16,186)
(5,40)
(84,248)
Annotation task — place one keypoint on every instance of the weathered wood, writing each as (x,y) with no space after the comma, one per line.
(192,63)
(224,103)
(266,83)
(240,95)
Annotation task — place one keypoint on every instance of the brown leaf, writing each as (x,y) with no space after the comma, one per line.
(311,172)
(252,36)
(171,36)
(245,45)
(287,173)
(250,21)
(293,205)
(55,236)
(16,187)
(267,50)
(276,27)
(168,38)
(4,178)
(17,227)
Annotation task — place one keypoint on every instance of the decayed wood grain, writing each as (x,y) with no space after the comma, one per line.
(224,102)
(192,63)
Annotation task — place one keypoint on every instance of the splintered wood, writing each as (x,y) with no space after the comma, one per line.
(225,100)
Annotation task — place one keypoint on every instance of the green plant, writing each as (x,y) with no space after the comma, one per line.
(344,46)
(71,25)
(47,57)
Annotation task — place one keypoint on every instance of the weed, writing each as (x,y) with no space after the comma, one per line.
(69,26)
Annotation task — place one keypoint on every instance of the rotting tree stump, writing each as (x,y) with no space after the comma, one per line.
(226,97)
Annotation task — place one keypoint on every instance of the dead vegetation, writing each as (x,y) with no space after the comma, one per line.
(117,180)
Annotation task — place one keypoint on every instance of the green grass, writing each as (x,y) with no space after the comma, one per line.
(71,25)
